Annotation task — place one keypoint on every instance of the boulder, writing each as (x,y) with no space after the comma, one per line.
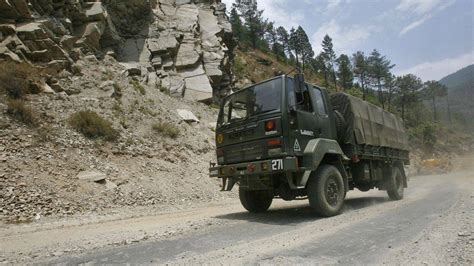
(187,56)
(132,69)
(96,12)
(198,88)
(182,2)
(47,89)
(91,176)
(163,45)
(187,116)
(31,31)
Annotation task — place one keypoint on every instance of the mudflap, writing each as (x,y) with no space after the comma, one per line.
(228,183)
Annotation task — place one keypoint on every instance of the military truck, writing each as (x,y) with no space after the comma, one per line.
(285,138)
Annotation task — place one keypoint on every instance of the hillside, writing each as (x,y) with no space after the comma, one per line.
(461,95)
(91,97)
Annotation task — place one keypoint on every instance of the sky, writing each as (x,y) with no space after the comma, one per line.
(428,38)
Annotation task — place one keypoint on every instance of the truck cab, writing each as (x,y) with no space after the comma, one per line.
(275,139)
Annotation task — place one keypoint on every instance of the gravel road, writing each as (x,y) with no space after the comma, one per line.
(433,224)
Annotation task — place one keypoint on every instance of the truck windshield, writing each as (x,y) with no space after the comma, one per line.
(261,98)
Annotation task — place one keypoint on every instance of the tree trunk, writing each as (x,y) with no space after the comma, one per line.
(449,108)
(334,76)
(403,108)
(381,100)
(362,83)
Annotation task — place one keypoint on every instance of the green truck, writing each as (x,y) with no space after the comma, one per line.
(285,138)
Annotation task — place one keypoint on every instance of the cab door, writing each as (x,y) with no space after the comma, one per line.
(305,127)
(323,122)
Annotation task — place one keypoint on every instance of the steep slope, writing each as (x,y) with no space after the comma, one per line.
(461,94)
(134,63)
(184,47)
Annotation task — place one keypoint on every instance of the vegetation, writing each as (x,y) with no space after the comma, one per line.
(166,129)
(137,86)
(17,109)
(93,126)
(17,80)
(422,105)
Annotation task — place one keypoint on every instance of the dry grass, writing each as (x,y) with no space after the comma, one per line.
(137,86)
(93,126)
(17,109)
(246,65)
(166,129)
(17,80)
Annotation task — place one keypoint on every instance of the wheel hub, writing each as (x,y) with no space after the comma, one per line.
(332,192)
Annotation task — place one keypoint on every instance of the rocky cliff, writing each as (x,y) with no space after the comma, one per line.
(181,46)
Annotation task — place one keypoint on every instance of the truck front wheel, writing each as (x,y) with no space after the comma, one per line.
(394,184)
(326,191)
(256,200)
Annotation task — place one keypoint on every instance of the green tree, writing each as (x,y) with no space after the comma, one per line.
(237,27)
(283,39)
(361,70)
(391,90)
(319,63)
(431,90)
(294,45)
(253,20)
(408,87)
(329,57)
(344,72)
(379,70)
(306,49)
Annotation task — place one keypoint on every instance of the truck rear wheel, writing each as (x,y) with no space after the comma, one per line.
(394,184)
(326,191)
(256,200)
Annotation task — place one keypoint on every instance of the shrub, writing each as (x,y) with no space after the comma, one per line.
(137,86)
(93,126)
(19,111)
(166,129)
(17,80)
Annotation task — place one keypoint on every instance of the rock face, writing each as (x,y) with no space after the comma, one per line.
(183,46)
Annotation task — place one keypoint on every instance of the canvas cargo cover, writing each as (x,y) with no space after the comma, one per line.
(368,124)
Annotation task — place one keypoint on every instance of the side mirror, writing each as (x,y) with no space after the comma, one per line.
(300,88)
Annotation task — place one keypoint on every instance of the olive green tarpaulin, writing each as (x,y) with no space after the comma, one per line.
(367,124)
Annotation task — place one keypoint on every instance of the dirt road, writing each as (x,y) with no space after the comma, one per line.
(432,225)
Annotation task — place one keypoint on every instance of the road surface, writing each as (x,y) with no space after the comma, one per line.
(433,224)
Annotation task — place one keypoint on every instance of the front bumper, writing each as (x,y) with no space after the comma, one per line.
(269,166)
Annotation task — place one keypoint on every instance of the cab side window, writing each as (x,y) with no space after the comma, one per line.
(301,101)
(319,101)
(306,101)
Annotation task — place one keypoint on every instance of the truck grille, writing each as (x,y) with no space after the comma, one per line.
(243,153)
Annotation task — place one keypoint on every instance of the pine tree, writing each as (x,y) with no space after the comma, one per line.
(379,70)
(360,69)
(237,26)
(329,56)
(305,46)
(433,89)
(320,65)
(408,87)
(344,72)
(253,21)
(294,45)
(283,39)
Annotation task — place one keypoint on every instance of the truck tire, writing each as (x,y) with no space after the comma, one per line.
(256,200)
(326,191)
(394,184)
